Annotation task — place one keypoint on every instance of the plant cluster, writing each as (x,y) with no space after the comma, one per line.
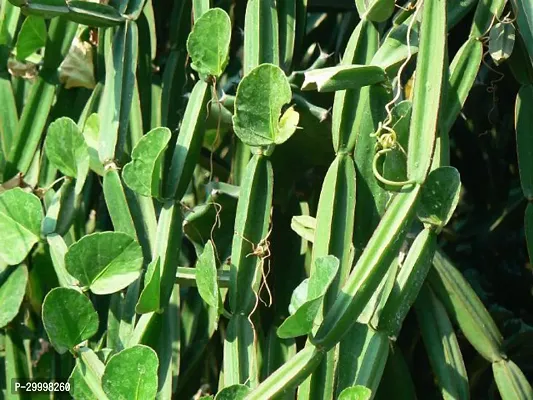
(198,201)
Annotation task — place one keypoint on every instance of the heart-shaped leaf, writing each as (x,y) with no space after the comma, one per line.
(377,10)
(208,43)
(501,42)
(149,300)
(299,296)
(67,151)
(287,125)
(69,318)
(304,312)
(233,392)
(131,374)
(206,276)
(439,197)
(21,216)
(356,393)
(105,262)
(32,37)
(260,97)
(13,282)
(142,173)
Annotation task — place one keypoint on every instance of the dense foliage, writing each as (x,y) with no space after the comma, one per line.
(266,199)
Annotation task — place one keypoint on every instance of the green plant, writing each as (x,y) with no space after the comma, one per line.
(196,234)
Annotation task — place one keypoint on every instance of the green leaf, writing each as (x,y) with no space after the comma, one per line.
(32,37)
(131,374)
(91,133)
(299,296)
(12,289)
(105,262)
(304,312)
(21,215)
(142,173)
(260,97)
(304,226)
(356,393)
(206,276)
(233,392)
(210,52)
(439,196)
(287,125)
(378,10)
(343,77)
(67,151)
(69,318)
(301,322)
(501,41)
(149,300)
